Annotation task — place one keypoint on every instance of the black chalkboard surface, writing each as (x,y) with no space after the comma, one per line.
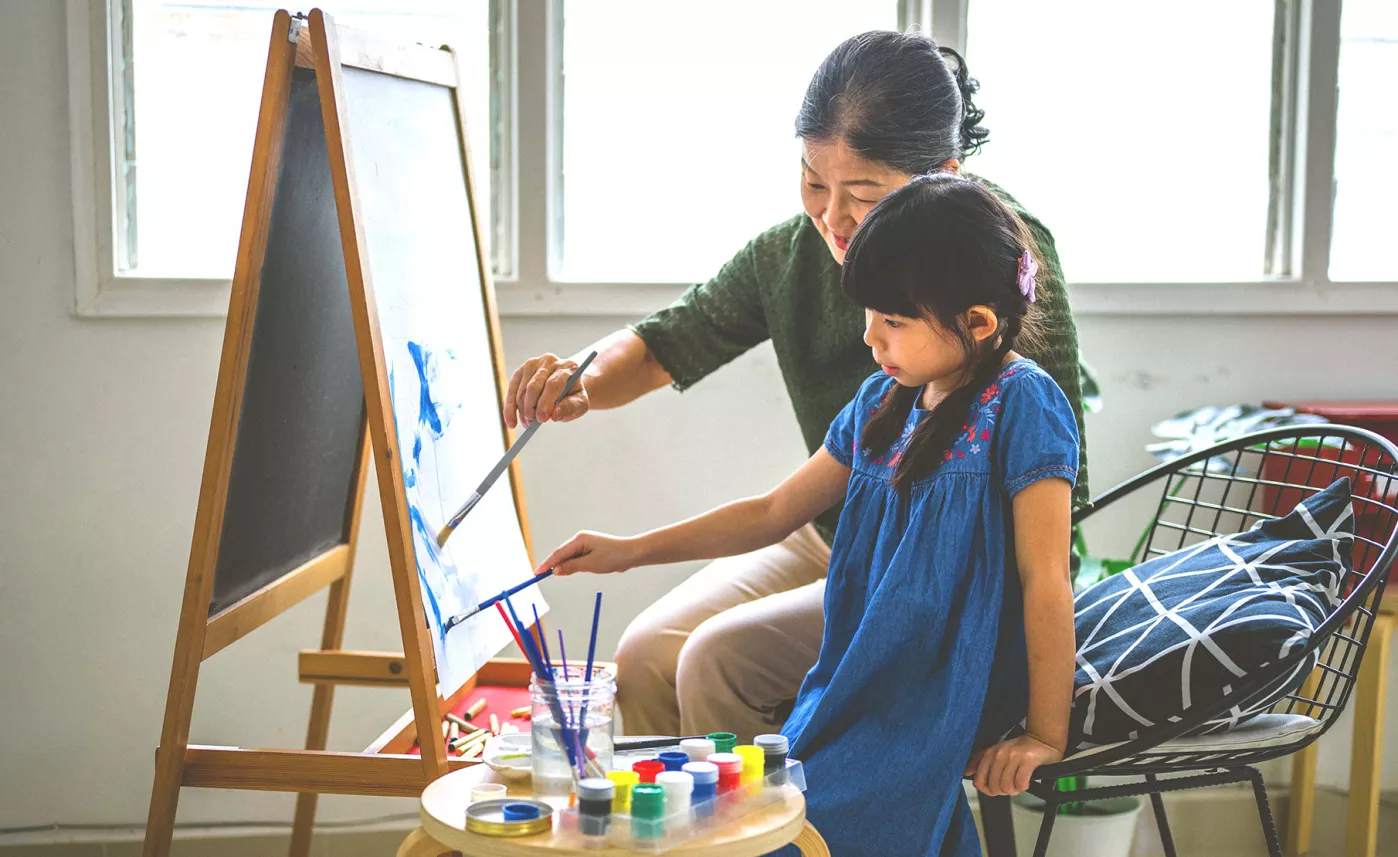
(292,486)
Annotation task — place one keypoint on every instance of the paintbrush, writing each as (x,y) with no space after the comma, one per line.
(504,462)
(492,601)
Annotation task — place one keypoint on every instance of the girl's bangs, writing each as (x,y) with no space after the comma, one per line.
(879,273)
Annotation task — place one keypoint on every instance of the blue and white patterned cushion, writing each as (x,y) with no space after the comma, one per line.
(1183,629)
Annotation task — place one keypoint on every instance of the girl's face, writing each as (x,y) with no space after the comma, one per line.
(920,352)
(838,187)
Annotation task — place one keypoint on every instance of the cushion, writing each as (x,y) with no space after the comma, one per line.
(1263,732)
(1185,629)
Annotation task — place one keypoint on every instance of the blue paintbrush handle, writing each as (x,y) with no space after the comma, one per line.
(490,602)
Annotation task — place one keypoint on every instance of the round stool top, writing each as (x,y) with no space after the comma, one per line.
(443,812)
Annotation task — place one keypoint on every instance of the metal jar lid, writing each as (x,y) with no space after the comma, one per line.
(487,818)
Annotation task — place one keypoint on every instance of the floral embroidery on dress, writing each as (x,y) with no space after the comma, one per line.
(974,437)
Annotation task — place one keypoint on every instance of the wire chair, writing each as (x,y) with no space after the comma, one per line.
(1215,492)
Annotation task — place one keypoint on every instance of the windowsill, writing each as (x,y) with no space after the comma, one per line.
(135,297)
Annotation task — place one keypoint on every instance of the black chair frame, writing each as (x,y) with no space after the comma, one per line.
(1222,490)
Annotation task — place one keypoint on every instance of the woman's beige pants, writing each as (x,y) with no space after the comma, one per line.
(726,650)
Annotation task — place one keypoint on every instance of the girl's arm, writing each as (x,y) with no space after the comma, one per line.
(734,528)
(1042,532)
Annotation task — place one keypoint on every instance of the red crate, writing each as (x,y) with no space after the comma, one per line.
(1378,417)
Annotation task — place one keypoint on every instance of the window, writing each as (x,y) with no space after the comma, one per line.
(678,138)
(629,147)
(1137,132)
(1366,146)
(189,93)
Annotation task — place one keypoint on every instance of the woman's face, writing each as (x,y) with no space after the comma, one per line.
(838,187)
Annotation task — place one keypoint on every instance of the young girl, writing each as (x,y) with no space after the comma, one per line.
(948,611)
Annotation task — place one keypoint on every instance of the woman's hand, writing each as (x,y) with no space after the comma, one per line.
(535,387)
(1005,768)
(592,553)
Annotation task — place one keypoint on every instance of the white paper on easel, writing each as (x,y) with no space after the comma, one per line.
(432,322)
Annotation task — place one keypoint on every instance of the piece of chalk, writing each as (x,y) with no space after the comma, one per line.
(464,724)
(521,712)
(476,708)
(494,725)
(454,732)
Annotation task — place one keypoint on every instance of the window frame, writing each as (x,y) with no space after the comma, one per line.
(527,185)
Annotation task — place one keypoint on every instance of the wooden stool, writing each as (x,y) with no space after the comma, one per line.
(1361,837)
(443,828)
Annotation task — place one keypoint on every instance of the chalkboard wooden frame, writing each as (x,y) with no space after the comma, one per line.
(384,768)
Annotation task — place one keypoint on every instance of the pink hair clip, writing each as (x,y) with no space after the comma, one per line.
(1028,269)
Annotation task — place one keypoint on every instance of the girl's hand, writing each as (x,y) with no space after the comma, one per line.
(535,387)
(1005,768)
(593,553)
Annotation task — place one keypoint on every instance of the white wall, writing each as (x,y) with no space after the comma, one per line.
(102,432)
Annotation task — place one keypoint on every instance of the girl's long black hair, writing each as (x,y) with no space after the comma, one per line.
(932,250)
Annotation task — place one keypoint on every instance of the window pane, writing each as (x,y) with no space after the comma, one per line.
(198,69)
(1366,178)
(679,141)
(1137,132)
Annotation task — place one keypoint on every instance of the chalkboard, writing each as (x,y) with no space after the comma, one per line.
(292,487)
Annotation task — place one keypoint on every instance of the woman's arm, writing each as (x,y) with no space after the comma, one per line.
(1043,527)
(624,371)
(734,528)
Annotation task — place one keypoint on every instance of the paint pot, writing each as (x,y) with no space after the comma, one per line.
(698,749)
(774,750)
(509,817)
(520,811)
(647,811)
(705,776)
(753,761)
(673,760)
(647,769)
(679,787)
(624,781)
(730,771)
(595,796)
(724,742)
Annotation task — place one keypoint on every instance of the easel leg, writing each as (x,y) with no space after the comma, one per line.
(319,727)
(174,734)
(333,637)
(1301,804)
(1361,840)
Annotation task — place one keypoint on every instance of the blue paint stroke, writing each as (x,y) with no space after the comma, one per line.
(428,540)
(427,411)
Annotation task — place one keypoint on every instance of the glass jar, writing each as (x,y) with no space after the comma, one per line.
(569,716)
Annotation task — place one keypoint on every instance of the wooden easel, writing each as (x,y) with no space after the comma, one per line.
(385,767)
